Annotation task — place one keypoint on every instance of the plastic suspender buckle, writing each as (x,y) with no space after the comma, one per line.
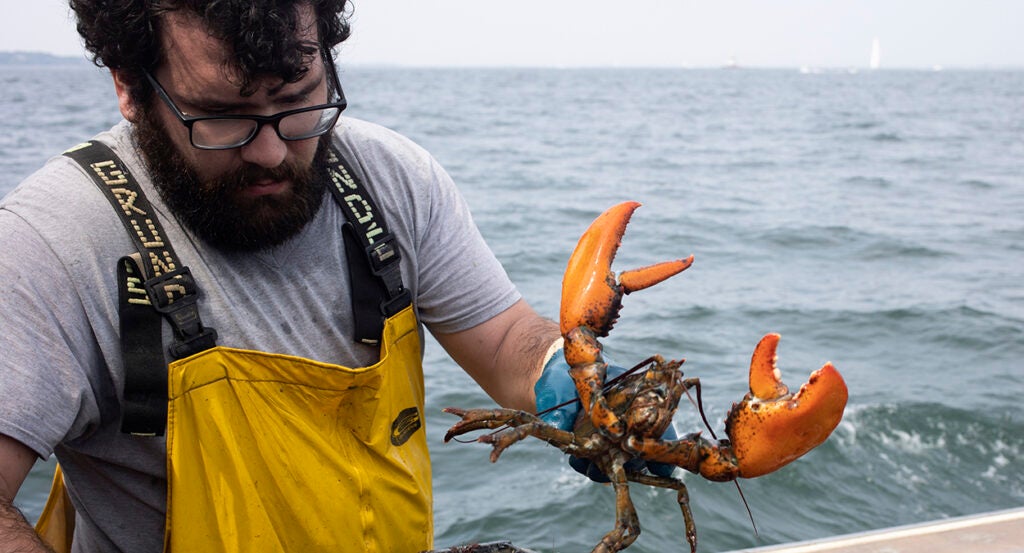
(396,304)
(382,254)
(174,296)
(384,257)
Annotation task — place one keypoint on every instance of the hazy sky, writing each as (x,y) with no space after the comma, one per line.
(783,33)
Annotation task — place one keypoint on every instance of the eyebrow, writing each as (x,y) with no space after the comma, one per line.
(207,104)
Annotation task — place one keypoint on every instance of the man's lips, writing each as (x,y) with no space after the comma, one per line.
(266,187)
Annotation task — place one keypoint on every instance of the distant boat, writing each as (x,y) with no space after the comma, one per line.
(876,54)
(731,63)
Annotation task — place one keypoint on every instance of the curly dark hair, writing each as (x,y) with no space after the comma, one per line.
(124,35)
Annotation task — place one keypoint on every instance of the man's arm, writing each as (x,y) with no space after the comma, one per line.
(505,354)
(16,534)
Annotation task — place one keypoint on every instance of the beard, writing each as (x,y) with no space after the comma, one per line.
(217,210)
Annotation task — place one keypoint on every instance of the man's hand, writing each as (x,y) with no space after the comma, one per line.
(556,388)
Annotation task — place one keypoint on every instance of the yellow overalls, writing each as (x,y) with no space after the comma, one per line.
(269,452)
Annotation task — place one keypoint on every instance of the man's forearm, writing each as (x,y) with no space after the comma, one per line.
(504,354)
(16,534)
(527,346)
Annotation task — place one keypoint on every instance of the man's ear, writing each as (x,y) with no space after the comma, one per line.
(124,96)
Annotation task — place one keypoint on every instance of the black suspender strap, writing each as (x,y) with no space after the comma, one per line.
(372,252)
(145,386)
(150,284)
(170,286)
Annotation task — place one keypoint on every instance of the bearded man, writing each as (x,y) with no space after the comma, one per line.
(232,204)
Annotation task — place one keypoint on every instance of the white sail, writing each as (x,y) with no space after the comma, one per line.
(876,54)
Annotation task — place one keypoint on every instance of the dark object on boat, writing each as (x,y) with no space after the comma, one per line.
(492,547)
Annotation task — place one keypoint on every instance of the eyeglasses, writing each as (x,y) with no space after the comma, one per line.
(224,132)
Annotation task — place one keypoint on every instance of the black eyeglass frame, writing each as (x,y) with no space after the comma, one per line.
(260,120)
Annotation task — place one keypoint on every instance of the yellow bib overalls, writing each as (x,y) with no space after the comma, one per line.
(276,453)
(270,453)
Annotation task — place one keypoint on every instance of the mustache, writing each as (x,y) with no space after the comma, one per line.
(250,174)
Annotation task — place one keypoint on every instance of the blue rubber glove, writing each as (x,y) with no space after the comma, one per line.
(555,387)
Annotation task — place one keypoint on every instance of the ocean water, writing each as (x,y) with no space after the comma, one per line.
(875,220)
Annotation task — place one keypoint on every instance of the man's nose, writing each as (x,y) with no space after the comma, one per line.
(266,150)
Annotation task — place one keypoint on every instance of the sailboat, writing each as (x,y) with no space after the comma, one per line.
(876,54)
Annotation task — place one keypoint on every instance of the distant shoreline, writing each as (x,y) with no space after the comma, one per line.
(39,58)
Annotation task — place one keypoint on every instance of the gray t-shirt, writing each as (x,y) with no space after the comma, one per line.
(60,367)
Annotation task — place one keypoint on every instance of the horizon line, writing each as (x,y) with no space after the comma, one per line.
(83,58)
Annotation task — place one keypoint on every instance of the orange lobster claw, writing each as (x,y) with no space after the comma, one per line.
(772,427)
(591,297)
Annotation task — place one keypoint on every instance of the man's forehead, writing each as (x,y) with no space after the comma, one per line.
(188,45)
(192,51)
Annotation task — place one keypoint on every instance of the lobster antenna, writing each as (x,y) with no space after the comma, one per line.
(635,368)
(699,404)
(747,506)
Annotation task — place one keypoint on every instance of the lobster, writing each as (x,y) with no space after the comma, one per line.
(626,418)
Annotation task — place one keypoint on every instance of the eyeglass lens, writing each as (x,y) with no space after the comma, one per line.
(230,132)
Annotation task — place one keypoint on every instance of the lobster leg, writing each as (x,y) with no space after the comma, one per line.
(522,425)
(627,524)
(682,497)
(713,460)
(479,419)
(538,429)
